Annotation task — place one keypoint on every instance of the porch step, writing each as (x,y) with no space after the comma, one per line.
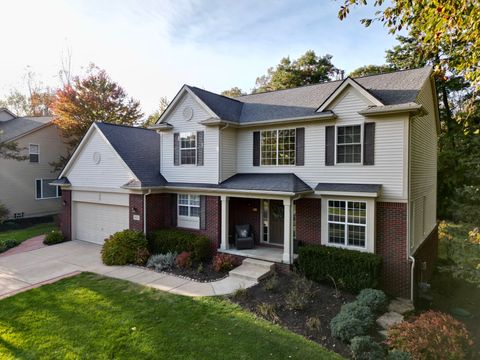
(252,269)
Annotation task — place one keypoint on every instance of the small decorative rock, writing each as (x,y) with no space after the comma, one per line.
(401,306)
(387,320)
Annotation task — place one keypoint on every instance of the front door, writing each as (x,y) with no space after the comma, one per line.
(276,222)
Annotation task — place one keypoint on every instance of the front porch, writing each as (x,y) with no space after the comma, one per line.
(271,221)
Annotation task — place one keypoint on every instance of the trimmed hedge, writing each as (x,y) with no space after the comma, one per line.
(178,241)
(351,270)
(53,237)
(125,247)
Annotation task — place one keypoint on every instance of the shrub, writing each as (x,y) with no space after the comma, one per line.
(125,247)
(224,262)
(271,283)
(374,299)
(161,262)
(350,269)
(7,244)
(365,348)
(359,311)
(183,260)
(398,355)
(268,311)
(53,237)
(432,335)
(241,293)
(313,323)
(345,327)
(4,212)
(173,240)
(299,296)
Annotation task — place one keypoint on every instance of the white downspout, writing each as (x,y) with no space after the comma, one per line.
(145,211)
(412,276)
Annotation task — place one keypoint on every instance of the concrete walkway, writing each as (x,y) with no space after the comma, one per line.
(22,271)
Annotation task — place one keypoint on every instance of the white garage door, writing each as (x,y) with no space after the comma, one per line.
(96,222)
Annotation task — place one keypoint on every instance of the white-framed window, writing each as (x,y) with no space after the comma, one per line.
(188,148)
(349,144)
(347,223)
(278,147)
(188,211)
(34,153)
(43,189)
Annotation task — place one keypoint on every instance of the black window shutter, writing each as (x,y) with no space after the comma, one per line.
(330,145)
(174,210)
(300,146)
(256,148)
(200,142)
(369,143)
(203,211)
(176,149)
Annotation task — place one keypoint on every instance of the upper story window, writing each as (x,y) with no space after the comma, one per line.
(347,223)
(349,144)
(278,147)
(188,148)
(34,153)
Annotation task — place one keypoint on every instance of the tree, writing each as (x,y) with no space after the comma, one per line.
(96,97)
(11,150)
(307,69)
(371,70)
(153,118)
(451,25)
(16,102)
(233,92)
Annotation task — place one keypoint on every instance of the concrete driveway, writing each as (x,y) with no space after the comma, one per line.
(20,272)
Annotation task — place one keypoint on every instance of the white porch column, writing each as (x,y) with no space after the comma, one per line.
(287,232)
(224,226)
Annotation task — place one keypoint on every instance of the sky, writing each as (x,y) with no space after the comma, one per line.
(152,48)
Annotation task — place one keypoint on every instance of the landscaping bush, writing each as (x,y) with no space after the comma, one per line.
(271,283)
(299,295)
(376,300)
(365,348)
(7,244)
(160,262)
(268,311)
(350,269)
(224,262)
(173,240)
(54,237)
(183,260)
(4,212)
(359,311)
(354,319)
(398,355)
(432,335)
(313,323)
(125,247)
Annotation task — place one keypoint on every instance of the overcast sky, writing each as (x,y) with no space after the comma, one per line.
(153,47)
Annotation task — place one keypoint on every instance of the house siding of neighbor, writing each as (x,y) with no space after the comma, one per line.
(24,185)
(279,161)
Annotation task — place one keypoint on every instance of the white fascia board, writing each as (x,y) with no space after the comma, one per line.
(347,194)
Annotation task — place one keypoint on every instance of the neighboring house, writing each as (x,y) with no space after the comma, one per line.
(25,185)
(291,163)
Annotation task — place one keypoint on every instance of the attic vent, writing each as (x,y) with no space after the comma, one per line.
(187,113)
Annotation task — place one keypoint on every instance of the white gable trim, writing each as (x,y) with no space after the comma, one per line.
(346,83)
(79,148)
(172,106)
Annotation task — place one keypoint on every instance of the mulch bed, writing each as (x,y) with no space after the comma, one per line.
(207,275)
(324,304)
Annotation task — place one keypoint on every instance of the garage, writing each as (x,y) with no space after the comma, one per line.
(96,221)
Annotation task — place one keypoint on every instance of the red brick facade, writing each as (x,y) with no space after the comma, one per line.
(245,211)
(309,220)
(135,212)
(391,244)
(65,216)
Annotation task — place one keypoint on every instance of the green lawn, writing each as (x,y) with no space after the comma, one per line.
(94,317)
(24,234)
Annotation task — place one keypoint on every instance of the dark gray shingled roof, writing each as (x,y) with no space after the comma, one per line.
(391,89)
(139,148)
(365,188)
(16,127)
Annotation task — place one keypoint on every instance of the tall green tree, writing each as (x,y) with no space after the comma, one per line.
(233,92)
(153,118)
(307,69)
(83,101)
(371,70)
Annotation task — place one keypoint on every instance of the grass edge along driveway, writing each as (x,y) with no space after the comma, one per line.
(90,316)
(20,235)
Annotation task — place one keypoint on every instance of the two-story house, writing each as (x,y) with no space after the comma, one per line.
(349,164)
(25,185)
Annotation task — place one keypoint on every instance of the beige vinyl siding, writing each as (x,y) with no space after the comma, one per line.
(17,178)
(208,173)
(423,169)
(228,148)
(389,148)
(109,173)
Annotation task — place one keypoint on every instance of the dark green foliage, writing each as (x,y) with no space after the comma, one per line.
(125,247)
(7,244)
(398,355)
(374,299)
(53,237)
(365,348)
(172,240)
(359,311)
(351,270)
(345,327)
